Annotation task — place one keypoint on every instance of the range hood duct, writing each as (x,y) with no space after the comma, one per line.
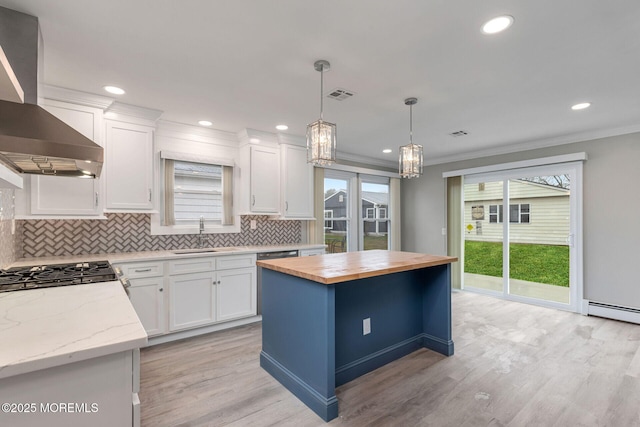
(32,140)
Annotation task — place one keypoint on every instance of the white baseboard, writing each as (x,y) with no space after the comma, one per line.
(204,330)
(626,314)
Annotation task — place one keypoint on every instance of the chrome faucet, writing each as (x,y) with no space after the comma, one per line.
(200,236)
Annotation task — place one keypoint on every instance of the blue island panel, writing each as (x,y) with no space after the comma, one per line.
(298,345)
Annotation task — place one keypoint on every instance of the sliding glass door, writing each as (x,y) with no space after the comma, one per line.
(521,232)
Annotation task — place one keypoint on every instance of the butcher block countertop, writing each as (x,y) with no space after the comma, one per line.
(343,267)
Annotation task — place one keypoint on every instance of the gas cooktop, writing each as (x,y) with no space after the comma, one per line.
(46,276)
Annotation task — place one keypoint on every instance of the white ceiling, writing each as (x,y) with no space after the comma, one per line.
(249,64)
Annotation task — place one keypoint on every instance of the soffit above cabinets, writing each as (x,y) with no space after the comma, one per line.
(10,89)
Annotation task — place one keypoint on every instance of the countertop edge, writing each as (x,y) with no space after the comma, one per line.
(331,280)
(124,257)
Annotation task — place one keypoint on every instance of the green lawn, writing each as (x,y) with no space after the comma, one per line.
(535,263)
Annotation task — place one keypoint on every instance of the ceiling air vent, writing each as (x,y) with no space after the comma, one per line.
(459,133)
(340,94)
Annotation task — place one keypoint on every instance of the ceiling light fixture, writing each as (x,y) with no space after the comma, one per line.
(205,123)
(114,90)
(581,106)
(282,127)
(411,158)
(387,150)
(497,25)
(321,135)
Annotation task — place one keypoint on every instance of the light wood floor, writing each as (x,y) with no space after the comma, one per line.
(514,365)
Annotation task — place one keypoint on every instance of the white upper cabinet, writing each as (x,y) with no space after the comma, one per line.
(297,183)
(69,195)
(265,191)
(129,166)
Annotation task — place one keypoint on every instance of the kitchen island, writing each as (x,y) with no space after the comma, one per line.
(329,319)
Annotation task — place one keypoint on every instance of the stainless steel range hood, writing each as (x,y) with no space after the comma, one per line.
(32,140)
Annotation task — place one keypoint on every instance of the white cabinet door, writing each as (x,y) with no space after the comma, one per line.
(129,167)
(192,300)
(69,195)
(297,183)
(147,298)
(265,180)
(236,293)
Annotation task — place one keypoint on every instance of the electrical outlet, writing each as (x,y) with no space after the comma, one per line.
(366,326)
(254,224)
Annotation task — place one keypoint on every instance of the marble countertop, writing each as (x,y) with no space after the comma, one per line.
(47,327)
(161,255)
(342,267)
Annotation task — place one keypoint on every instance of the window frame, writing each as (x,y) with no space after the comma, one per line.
(156,225)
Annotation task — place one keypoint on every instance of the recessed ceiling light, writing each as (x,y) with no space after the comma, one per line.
(114,90)
(498,24)
(581,106)
(205,123)
(282,127)
(254,140)
(386,150)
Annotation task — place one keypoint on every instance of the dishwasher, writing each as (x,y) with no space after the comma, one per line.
(263,256)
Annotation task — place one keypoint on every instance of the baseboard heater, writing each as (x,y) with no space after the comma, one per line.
(617,312)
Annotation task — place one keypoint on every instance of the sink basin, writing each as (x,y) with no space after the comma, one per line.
(201,251)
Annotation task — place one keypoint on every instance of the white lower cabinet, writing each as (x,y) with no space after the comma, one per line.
(147,294)
(189,293)
(147,298)
(192,300)
(236,293)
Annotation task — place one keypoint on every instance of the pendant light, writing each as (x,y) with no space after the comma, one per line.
(411,154)
(321,135)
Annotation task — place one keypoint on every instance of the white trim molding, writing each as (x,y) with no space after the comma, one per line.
(553,160)
(611,311)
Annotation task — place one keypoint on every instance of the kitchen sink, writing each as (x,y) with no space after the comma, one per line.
(201,251)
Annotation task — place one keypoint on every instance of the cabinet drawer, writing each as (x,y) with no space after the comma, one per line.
(142,269)
(192,265)
(235,261)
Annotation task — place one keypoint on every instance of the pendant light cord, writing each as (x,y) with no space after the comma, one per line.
(411,124)
(321,89)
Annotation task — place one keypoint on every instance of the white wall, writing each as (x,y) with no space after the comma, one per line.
(611,206)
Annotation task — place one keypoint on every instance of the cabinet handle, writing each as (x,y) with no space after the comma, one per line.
(142,270)
(286,206)
(161,289)
(96,199)
(253,203)
(149,194)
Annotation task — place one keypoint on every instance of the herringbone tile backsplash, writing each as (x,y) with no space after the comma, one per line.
(129,232)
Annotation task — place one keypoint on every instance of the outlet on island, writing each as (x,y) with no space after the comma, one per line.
(366,326)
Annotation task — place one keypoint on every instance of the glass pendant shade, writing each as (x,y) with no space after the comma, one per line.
(321,135)
(321,143)
(411,161)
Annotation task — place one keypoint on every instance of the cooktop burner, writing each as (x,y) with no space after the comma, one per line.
(45,276)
